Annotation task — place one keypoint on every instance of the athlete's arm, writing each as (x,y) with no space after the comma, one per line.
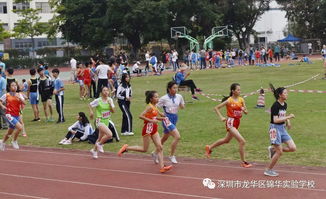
(217,110)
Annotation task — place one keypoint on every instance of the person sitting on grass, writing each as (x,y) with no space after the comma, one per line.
(306,59)
(80,129)
(180,79)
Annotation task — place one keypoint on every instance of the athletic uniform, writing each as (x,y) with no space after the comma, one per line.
(103,113)
(33,94)
(234,112)
(170,105)
(13,107)
(149,127)
(277,131)
(87,77)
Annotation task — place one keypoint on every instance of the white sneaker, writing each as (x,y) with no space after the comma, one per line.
(173,159)
(155,158)
(100,147)
(125,133)
(62,141)
(67,142)
(130,133)
(2,145)
(94,153)
(15,144)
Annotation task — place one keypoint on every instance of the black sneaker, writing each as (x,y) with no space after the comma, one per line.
(195,98)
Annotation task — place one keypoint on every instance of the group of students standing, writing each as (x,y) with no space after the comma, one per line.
(14,101)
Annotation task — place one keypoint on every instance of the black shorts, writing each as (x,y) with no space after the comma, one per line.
(45,97)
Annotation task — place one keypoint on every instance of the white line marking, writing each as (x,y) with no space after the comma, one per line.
(196,164)
(107,186)
(21,195)
(102,169)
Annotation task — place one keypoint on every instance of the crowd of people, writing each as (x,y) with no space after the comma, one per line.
(106,80)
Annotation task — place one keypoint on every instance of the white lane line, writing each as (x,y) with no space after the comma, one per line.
(102,169)
(126,171)
(185,163)
(106,186)
(21,195)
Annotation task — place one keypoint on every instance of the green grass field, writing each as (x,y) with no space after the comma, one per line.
(199,125)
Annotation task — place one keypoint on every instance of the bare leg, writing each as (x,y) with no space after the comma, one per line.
(219,142)
(159,148)
(241,141)
(144,148)
(278,152)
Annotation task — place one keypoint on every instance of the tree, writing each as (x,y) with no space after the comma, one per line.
(3,33)
(306,17)
(140,21)
(241,17)
(81,22)
(29,24)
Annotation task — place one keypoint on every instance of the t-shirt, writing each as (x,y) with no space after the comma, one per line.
(13,104)
(234,108)
(102,71)
(278,110)
(102,111)
(73,64)
(171,104)
(179,77)
(58,84)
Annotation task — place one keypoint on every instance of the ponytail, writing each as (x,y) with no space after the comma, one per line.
(277,92)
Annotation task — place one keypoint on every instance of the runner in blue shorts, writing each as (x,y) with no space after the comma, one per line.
(171,103)
(277,130)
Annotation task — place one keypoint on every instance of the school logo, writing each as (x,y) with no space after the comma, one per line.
(209,183)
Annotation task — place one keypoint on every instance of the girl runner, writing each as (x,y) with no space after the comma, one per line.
(171,103)
(151,117)
(235,105)
(277,131)
(104,107)
(13,101)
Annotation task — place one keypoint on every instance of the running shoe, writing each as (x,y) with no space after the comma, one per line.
(155,157)
(62,141)
(2,145)
(173,159)
(246,164)
(122,150)
(271,152)
(165,168)
(67,142)
(208,151)
(100,147)
(194,98)
(15,144)
(94,153)
(270,172)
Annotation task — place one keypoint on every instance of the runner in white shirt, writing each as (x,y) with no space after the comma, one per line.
(171,103)
(73,64)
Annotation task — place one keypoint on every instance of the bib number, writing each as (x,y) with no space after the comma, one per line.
(149,128)
(167,122)
(106,114)
(273,134)
(9,117)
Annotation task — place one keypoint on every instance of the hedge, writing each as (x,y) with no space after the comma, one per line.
(19,63)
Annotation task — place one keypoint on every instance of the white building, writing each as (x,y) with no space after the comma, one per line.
(8,19)
(271,25)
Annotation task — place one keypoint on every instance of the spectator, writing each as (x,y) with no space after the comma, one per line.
(180,79)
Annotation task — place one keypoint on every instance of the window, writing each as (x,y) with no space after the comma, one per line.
(20,6)
(43,6)
(3,8)
(47,43)
(23,44)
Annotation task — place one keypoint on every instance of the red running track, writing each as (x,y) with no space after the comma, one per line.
(68,174)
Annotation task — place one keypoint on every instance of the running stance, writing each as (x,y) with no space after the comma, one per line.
(235,105)
(151,117)
(80,129)
(277,131)
(104,107)
(171,103)
(13,101)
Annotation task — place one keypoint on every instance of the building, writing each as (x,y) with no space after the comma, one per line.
(271,25)
(9,19)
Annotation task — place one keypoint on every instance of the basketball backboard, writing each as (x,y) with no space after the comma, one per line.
(178,31)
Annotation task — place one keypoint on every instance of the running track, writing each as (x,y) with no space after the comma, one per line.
(71,174)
